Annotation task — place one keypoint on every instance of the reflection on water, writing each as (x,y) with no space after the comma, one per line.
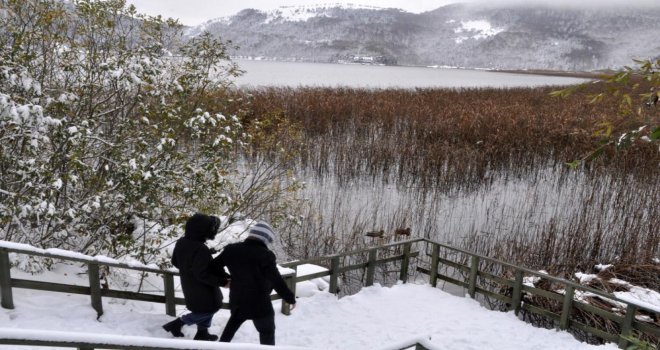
(573,212)
(294,74)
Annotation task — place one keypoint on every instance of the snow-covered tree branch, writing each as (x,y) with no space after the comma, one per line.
(103,123)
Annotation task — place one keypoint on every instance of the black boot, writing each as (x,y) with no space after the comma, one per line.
(174,327)
(203,334)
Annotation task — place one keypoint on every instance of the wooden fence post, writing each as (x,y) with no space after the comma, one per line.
(170,304)
(5,281)
(566,307)
(291,283)
(405,262)
(334,275)
(516,297)
(474,269)
(371,267)
(435,258)
(95,287)
(626,326)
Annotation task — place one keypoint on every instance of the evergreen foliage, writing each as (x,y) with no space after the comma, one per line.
(637,117)
(106,139)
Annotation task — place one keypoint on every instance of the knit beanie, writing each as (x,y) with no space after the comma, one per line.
(263,232)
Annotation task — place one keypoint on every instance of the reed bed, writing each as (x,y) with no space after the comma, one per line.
(415,135)
(479,168)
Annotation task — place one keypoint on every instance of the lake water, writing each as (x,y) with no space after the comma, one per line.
(295,74)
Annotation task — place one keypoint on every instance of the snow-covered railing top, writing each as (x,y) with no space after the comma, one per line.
(628,314)
(94,290)
(628,301)
(29,337)
(56,253)
(136,265)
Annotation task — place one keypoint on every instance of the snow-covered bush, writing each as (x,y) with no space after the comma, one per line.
(104,123)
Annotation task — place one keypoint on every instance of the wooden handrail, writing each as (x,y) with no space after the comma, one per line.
(97,293)
(627,323)
(102,261)
(316,260)
(543,275)
(333,262)
(94,290)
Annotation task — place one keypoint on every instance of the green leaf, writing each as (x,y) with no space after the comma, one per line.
(627,99)
(597,98)
(622,78)
(563,92)
(606,129)
(595,154)
(655,134)
(638,344)
(574,164)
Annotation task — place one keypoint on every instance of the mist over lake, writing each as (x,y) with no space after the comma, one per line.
(259,73)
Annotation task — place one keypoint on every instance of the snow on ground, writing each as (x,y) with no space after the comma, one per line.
(375,318)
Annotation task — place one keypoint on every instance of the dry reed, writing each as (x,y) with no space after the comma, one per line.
(435,147)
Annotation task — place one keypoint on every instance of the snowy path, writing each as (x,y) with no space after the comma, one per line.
(376,318)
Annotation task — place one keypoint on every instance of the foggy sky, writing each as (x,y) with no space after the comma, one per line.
(193,12)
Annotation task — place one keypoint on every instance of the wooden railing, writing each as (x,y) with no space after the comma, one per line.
(95,289)
(468,274)
(472,274)
(352,261)
(476,273)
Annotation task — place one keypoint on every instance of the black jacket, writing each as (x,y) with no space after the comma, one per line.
(253,276)
(199,283)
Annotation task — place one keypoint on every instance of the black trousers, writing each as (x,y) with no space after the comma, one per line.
(264,325)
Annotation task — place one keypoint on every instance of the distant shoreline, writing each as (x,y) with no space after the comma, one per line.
(556,73)
(545,72)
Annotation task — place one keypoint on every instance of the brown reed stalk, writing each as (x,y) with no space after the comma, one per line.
(442,145)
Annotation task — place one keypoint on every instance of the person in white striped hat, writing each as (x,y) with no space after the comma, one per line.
(263,232)
(254,275)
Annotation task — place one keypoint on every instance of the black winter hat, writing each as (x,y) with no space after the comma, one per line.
(202,227)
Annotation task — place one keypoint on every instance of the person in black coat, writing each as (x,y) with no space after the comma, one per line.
(199,281)
(254,275)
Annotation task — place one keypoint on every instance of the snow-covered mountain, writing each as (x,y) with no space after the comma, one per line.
(466,35)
